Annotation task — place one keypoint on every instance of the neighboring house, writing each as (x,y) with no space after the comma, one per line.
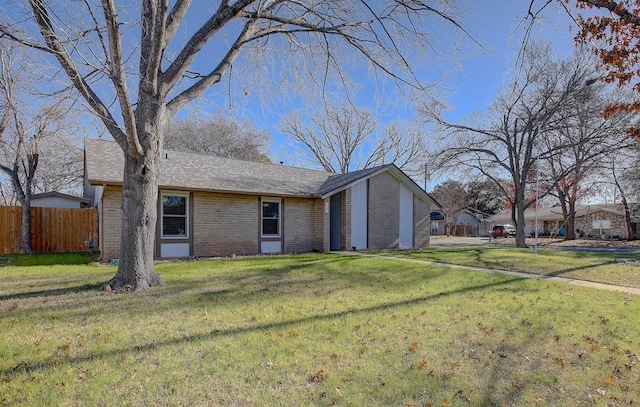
(438,223)
(213,206)
(472,223)
(601,221)
(468,223)
(59,200)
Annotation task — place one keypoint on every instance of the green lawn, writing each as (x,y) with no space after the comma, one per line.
(597,267)
(313,330)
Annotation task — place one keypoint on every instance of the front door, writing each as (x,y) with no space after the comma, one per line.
(334,222)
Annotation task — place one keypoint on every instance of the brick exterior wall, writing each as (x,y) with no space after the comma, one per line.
(421,222)
(320,232)
(225,224)
(111,222)
(618,224)
(383,207)
(302,224)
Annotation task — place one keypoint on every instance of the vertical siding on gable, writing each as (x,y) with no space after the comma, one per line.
(405,217)
(359,215)
(225,224)
(384,207)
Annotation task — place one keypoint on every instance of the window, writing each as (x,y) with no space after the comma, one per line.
(601,227)
(271,217)
(175,215)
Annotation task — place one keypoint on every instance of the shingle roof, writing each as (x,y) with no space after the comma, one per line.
(105,165)
(555,212)
(339,181)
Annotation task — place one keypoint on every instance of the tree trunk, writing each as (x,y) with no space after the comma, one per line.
(25,229)
(627,217)
(570,221)
(518,218)
(24,197)
(139,216)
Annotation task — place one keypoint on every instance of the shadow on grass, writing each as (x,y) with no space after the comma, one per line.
(492,265)
(53,292)
(52,362)
(52,259)
(559,273)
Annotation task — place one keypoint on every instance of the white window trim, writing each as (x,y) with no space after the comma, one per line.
(271,200)
(186,210)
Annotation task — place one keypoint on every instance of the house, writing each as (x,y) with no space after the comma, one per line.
(601,220)
(468,222)
(55,199)
(438,223)
(213,206)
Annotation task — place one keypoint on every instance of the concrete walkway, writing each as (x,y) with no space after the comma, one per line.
(582,283)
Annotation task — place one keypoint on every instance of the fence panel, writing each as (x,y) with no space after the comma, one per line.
(52,229)
(10,229)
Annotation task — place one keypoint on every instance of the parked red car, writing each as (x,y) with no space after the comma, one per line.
(502,231)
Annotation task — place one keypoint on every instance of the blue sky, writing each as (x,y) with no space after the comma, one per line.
(499,26)
(467,82)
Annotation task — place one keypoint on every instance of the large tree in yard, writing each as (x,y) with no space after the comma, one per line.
(585,138)
(507,143)
(136,72)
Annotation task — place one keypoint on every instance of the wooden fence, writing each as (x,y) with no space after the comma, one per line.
(52,229)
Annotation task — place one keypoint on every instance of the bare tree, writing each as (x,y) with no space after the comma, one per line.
(220,136)
(137,74)
(342,139)
(585,138)
(620,170)
(508,143)
(483,196)
(334,137)
(22,132)
(60,167)
(453,198)
(404,147)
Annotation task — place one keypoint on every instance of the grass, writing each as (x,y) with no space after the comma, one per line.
(313,330)
(588,266)
(51,259)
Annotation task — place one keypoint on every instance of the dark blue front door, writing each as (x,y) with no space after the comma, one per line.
(334,222)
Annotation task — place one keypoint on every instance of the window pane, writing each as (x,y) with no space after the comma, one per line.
(174,226)
(270,210)
(174,205)
(270,227)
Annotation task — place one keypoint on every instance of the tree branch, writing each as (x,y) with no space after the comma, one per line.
(118,77)
(56,48)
